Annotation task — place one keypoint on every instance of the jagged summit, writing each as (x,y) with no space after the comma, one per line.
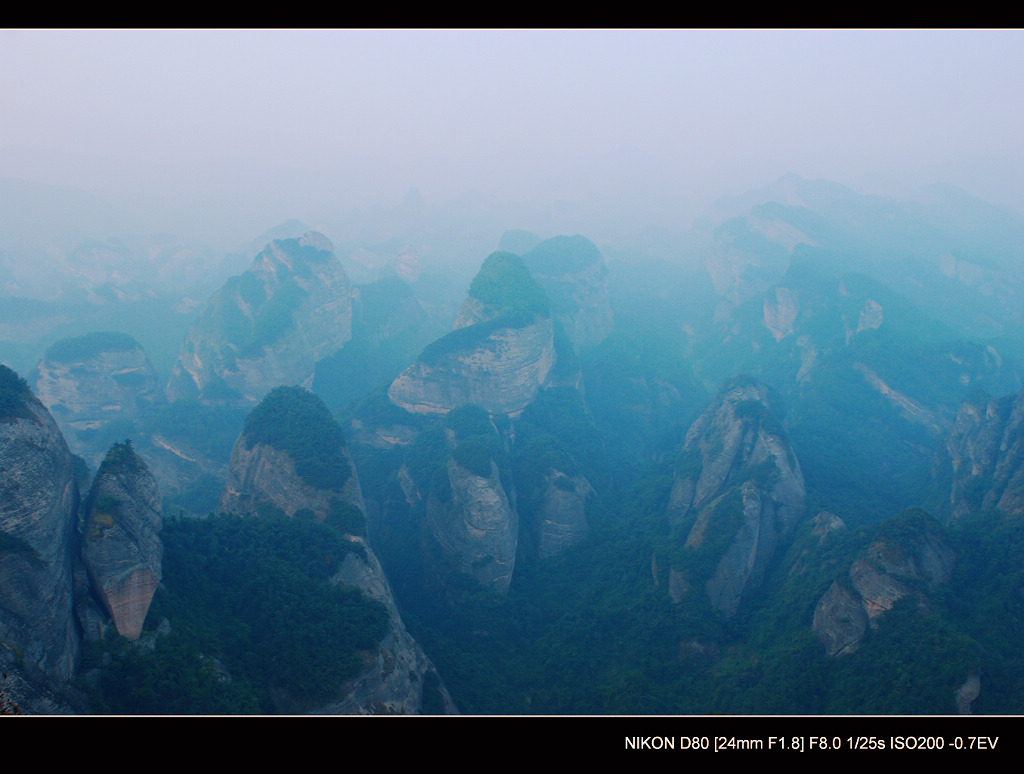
(738,494)
(268,326)
(909,557)
(981,465)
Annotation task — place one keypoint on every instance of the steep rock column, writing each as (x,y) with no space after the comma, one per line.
(738,495)
(38,510)
(121,545)
(476,526)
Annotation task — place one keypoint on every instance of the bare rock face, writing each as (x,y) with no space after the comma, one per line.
(500,355)
(967,693)
(562,513)
(502,371)
(781,309)
(38,513)
(260,476)
(982,462)
(268,326)
(24,690)
(574,275)
(292,458)
(738,491)
(92,381)
(475,525)
(840,620)
(907,556)
(121,546)
(748,257)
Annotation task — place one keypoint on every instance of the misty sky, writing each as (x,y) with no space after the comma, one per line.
(285,124)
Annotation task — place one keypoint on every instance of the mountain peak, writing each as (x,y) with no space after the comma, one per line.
(505,284)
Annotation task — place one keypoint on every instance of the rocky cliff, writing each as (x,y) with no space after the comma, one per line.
(91,382)
(268,326)
(562,517)
(457,476)
(291,458)
(38,514)
(262,477)
(981,465)
(401,681)
(749,256)
(737,495)
(475,524)
(499,356)
(908,558)
(121,546)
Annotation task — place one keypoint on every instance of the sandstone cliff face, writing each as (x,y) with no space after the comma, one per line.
(121,546)
(260,475)
(895,565)
(503,372)
(500,354)
(92,381)
(562,518)
(268,326)
(982,462)
(38,513)
(738,492)
(475,525)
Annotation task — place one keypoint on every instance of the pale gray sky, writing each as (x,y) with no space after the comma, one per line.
(278,124)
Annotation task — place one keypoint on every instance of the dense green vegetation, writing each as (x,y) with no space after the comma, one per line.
(504,283)
(376,409)
(593,631)
(14,395)
(197,499)
(255,625)
(476,441)
(89,346)
(296,421)
(121,459)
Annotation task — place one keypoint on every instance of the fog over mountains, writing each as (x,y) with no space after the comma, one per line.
(649,373)
(788,433)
